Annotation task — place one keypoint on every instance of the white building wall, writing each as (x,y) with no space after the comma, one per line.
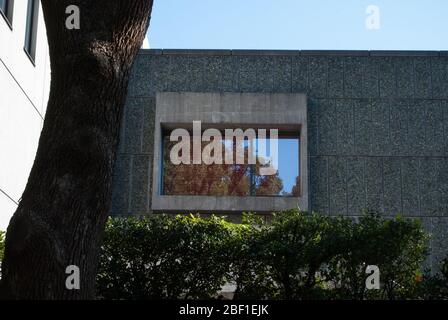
(24,88)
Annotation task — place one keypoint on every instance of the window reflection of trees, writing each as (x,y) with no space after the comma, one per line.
(220,179)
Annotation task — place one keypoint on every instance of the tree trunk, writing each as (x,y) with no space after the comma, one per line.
(61,217)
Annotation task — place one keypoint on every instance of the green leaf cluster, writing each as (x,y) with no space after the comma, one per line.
(289,255)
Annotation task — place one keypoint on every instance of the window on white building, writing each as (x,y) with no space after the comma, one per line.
(31,28)
(6,10)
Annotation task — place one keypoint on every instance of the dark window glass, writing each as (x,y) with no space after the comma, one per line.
(238,178)
(6,10)
(31,28)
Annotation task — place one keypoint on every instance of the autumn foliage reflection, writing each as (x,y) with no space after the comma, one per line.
(220,179)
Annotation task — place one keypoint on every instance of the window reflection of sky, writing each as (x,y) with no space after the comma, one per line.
(288,159)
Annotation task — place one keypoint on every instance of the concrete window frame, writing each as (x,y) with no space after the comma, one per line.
(233,110)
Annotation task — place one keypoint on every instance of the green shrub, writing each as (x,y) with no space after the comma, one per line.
(250,273)
(284,257)
(397,246)
(310,256)
(297,255)
(435,287)
(163,258)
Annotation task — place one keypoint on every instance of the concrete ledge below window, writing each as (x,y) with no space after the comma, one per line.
(223,204)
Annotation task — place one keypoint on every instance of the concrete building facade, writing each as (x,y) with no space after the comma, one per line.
(377,127)
(373,126)
(24,86)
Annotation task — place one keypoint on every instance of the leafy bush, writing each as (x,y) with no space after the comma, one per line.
(295,256)
(284,257)
(435,287)
(310,256)
(248,268)
(397,247)
(163,258)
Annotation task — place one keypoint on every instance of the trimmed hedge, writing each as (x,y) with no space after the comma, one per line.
(163,257)
(295,256)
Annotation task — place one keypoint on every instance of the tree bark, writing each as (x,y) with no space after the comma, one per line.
(61,217)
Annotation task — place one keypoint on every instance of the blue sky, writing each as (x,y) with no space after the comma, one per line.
(288,162)
(299,24)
